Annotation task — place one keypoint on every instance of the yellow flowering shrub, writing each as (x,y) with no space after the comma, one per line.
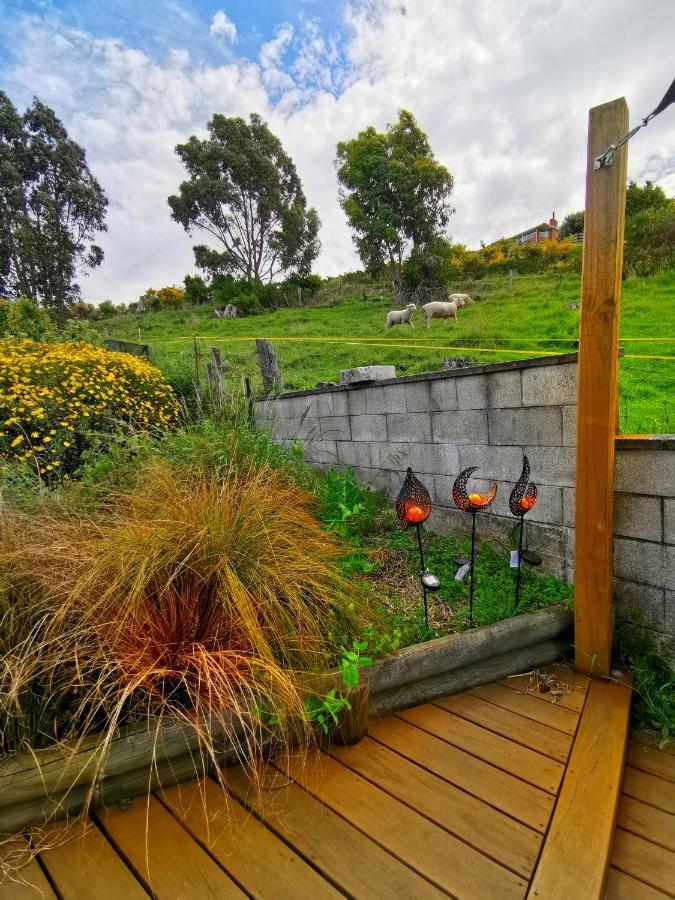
(54,397)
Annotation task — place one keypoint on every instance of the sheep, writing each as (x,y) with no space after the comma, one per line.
(401,316)
(437,309)
(460,299)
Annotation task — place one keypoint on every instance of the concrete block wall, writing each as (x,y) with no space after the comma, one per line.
(489,416)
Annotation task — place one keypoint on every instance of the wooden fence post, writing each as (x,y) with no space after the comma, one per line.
(269,367)
(597,391)
(214,377)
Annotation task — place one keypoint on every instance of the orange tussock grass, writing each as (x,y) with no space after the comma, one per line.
(201,596)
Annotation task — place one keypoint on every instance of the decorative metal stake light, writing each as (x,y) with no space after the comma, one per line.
(522,499)
(413,506)
(472,503)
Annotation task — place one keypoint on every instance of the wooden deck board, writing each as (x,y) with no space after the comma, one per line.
(516,798)
(624,887)
(652,824)
(551,714)
(649,788)
(252,854)
(511,844)
(85,866)
(580,836)
(163,855)
(447,862)
(650,759)
(330,843)
(27,880)
(500,752)
(647,862)
(510,725)
(484,794)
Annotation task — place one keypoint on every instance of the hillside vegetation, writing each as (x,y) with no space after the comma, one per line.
(535,314)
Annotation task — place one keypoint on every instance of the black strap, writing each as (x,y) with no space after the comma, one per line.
(668,98)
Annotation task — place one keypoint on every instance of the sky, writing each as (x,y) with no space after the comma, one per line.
(502,88)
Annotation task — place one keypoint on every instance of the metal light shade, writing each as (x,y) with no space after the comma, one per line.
(524,493)
(471,502)
(413,504)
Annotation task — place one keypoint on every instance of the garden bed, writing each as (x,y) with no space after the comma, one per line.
(55,783)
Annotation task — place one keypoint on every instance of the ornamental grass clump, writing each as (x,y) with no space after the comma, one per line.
(54,398)
(204,596)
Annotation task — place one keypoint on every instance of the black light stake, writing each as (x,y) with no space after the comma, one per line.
(472,503)
(522,499)
(413,506)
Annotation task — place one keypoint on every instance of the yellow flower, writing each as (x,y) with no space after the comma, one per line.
(17,440)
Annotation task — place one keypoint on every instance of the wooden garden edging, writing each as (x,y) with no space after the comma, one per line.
(54,783)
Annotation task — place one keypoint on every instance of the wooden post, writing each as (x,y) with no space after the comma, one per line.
(269,367)
(214,377)
(597,392)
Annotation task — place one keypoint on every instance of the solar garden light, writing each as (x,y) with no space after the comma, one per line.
(522,499)
(472,503)
(413,506)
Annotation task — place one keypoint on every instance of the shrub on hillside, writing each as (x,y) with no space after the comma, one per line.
(55,399)
(24,319)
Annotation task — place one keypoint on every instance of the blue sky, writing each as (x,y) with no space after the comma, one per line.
(502,87)
(156,27)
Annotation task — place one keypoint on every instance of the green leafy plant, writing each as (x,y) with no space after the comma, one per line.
(325,710)
(346,506)
(653,674)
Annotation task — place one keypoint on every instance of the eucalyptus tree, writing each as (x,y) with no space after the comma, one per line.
(51,208)
(243,191)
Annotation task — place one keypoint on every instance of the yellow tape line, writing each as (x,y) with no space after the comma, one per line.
(427,345)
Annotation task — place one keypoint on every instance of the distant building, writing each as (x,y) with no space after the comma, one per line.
(547,231)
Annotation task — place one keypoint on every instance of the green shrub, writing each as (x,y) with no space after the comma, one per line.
(24,319)
(653,674)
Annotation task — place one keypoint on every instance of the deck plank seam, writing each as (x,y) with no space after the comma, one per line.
(460,787)
(551,793)
(200,843)
(122,855)
(509,737)
(429,818)
(617,864)
(549,705)
(45,871)
(280,834)
(395,856)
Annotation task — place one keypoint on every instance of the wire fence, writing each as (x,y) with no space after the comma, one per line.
(308,360)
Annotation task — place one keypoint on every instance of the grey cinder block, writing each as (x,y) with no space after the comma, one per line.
(369,428)
(409,427)
(460,426)
(638,517)
(471,392)
(336,428)
(504,390)
(538,426)
(550,385)
(354,453)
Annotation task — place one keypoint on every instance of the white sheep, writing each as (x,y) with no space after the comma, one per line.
(401,316)
(460,299)
(438,309)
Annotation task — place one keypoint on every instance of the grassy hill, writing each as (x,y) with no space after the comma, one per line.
(538,314)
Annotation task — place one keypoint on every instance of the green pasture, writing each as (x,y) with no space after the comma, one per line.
(533,315)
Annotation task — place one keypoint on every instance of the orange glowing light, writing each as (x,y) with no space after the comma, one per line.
(476,499)
(527,502)
(416,514)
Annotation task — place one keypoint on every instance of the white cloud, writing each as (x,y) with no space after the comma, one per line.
(503,91)
(222,26)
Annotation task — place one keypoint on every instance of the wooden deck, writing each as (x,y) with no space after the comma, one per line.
(477,796)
